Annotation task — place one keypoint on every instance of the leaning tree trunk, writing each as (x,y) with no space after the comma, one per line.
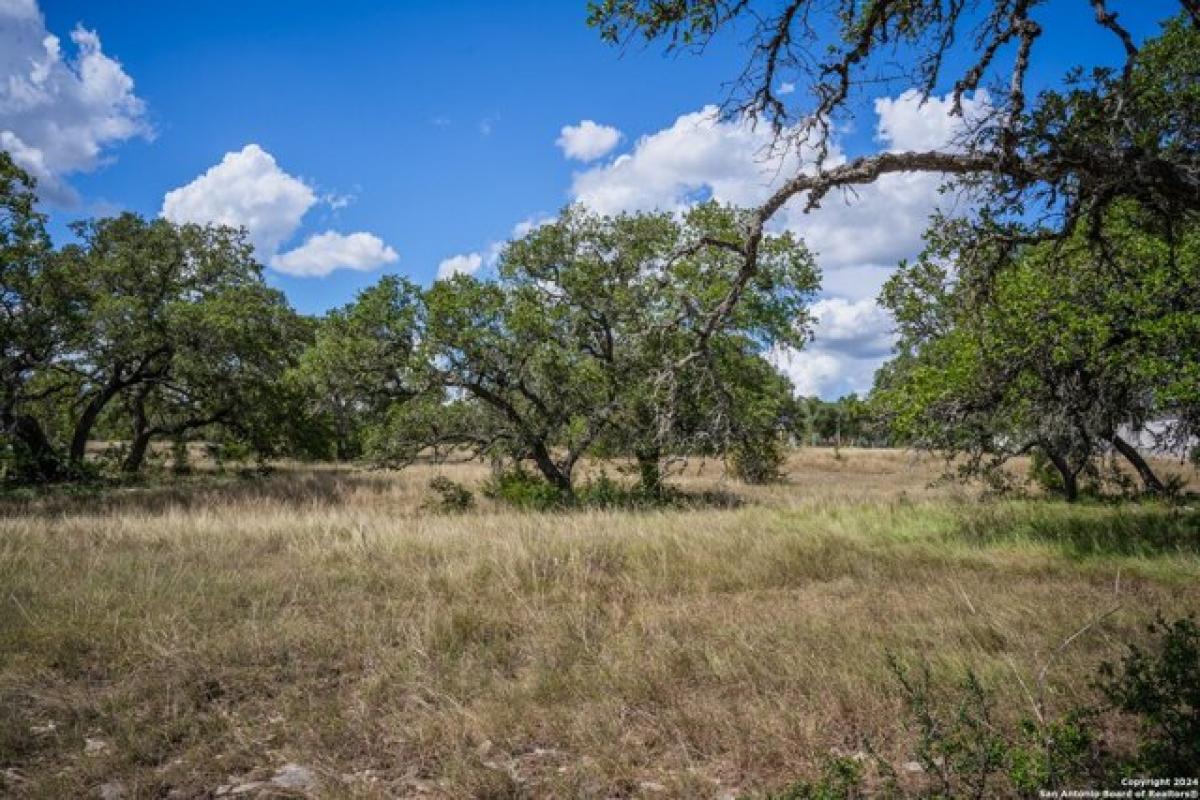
(558,478)
(141,436)
(1149,480)
(136,456)
(1069,476)
(87,421)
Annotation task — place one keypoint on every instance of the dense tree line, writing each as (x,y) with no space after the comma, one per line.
(581,344)
(1058,313)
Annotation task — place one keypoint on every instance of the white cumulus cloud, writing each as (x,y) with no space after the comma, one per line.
(813,372)
(907,123)
(588,140)
(249,189)
(858,328)
(851,339)
(696,157)
(699,156)
(323,253)
(60,111)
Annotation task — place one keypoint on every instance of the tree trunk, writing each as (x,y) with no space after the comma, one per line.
(1149,480)
(141,435)
(39,463)
(558,478)
(87,421)
(342,449)
(138,447)
(1070,477)
(649,471)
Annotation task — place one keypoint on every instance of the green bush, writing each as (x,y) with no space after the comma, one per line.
(758,460)
(452,497)
(520,489)
(1161,689)
(841,780)
(962,751)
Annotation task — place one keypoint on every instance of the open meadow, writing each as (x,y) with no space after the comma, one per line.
(447,399)
(191,639)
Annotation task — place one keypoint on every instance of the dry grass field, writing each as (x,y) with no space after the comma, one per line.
(187,641)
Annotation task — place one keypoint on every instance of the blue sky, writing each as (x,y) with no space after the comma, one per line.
(402,135)
(385,101)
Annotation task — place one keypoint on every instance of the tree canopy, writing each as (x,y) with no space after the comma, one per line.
(1038,165)
(170,327)
(587,332)
(1059,351)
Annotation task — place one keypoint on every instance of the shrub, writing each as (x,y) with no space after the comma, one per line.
(842,780)
(604,492)
(1161,688)
(519,489)
(961,750)
(452,497)
(758,460)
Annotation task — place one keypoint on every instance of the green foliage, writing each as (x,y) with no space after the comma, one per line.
(585,340)
(758,460)
(1043,474)
(33,325)
(959,749)
(1053,347)
(962,751)
(517,488)
(452,497)
(1161,689)
(143,330)
(361,365)
(1055,753)
(847,421)
(842,780)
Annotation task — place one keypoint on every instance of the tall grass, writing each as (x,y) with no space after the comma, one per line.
(215,631)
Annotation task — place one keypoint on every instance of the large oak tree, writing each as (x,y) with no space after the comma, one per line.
(1125,125)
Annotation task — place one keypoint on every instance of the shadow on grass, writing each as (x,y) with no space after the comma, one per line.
(152,495)
(671,499)
(314,488)
(1123,529)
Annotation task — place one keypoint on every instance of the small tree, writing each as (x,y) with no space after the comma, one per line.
(361,362)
